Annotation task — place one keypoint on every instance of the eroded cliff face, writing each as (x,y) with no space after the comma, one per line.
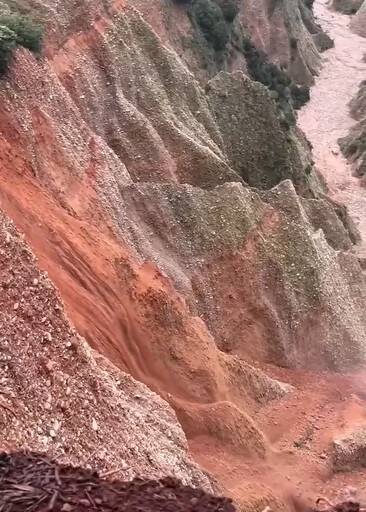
(358,23)
(182,223)
(353,145)
(58,396)
(347,6)
(285,30)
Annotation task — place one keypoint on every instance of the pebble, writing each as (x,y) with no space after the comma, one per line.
(52,433)
(94,425)
(48,336)
(35,281)
(68,391)
(50,366)
(16,306)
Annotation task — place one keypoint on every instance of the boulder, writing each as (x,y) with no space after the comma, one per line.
(349,451)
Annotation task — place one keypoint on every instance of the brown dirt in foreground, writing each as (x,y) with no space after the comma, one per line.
(30,481)
(300,428)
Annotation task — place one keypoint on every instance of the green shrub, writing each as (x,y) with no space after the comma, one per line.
(210,19)
(287,94)
(18,30)
(293,43)
(275,78)
(7,43)
(229,9)
(300,95)
(29,34)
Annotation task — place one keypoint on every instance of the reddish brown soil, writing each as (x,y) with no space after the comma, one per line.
(300,429)
(131,313)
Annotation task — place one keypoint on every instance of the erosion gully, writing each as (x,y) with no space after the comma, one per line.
(326,116)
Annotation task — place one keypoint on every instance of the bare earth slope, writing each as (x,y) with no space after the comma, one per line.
(56,396)
(131,183)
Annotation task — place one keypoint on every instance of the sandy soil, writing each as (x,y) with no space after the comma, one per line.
(326,117)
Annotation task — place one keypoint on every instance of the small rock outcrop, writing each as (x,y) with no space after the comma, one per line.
(347,6)
(349,451)
(358,23)
(358,104)
(353,146)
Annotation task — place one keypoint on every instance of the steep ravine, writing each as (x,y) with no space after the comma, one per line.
(326,118)
(126,176)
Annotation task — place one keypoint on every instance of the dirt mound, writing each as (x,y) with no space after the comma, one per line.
(30,481)
(225,422)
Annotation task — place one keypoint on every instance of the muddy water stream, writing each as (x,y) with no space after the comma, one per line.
(326,117)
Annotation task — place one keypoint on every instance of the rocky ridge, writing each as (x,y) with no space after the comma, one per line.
(286,31)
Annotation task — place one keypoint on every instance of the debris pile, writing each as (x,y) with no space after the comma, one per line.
(32,482)
(344,506)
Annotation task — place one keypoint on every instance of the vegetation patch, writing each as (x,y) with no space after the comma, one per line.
(216,31)
(209,17)
(275,78)
(18,31)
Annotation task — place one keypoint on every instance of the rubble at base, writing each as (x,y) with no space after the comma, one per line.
(30,481)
